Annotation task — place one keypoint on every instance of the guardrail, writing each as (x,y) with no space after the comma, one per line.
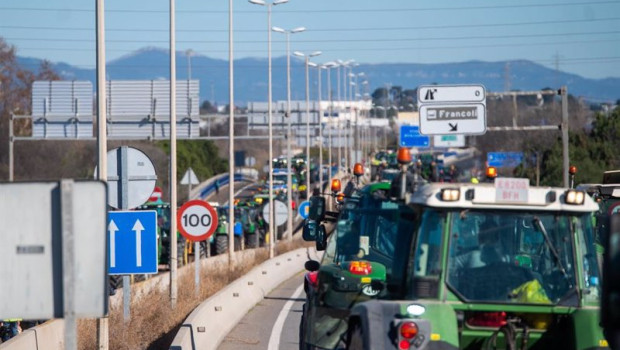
(206,188)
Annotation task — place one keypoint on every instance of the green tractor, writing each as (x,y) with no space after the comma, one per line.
(363,251)
(163,233)
(245,228)
(500,265)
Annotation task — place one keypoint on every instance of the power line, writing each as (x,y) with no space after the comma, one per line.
(197,65)
(348,49)
(375,10)
(323,29)
(337,40)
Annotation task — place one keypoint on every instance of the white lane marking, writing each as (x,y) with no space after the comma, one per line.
(276,331)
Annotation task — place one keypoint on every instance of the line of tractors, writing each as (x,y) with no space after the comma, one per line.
(413,264)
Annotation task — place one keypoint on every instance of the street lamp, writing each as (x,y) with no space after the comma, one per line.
(328,66)
(289,181)
(307,60)
(272,235)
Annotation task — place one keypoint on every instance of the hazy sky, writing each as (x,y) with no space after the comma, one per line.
(581,36)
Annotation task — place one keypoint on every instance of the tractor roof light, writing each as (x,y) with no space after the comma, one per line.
(358,170)
(403,156)
(336,185)
(450,194)
(572,170)
(574,197)
(340,198)
(491,172)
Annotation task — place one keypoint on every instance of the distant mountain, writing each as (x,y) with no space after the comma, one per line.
(251,75)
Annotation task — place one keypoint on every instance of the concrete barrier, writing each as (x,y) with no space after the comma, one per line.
(47,336)
(211,321)
(50,335)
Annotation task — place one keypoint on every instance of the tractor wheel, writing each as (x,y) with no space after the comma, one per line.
(252,240)
(355,339)
(221,244)
(237,243)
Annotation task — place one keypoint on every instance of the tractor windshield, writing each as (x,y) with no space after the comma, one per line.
(520,257)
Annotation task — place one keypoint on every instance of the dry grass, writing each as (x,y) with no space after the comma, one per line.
(153,322)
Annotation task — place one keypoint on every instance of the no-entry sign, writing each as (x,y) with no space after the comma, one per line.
(197,220)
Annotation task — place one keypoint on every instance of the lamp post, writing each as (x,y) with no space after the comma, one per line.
(328,66)
(272,235)
(289,181)
(307,60)
(319,67)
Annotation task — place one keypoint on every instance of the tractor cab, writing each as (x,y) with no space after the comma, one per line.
(500,265)
(364,258)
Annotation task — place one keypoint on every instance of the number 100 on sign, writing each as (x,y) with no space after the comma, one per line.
(197,220)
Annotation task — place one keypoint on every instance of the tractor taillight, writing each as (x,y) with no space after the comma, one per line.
(408,330)
(313,278)
(403,345)
(360,268)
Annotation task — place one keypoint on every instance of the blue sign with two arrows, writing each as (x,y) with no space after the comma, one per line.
(133,242)
(410,137)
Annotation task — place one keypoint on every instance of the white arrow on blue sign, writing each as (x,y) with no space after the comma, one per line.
(133,242)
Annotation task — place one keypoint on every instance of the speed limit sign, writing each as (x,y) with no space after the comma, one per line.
(197,220)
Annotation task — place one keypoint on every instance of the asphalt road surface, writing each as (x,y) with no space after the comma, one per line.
(273,323)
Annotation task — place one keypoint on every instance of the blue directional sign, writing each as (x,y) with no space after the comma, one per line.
(304,209)
(410,137)
(504,159)
(133,242)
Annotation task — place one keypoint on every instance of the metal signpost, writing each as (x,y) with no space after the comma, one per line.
(55,253)
(197,220)
(133,242)
(452,109)
(189,179)
(131,181)
(410,137)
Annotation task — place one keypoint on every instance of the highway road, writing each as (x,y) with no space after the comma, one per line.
(273,323)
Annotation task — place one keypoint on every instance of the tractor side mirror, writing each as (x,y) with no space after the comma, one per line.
(309,232)
(610,301)
(317,208)
(321,238)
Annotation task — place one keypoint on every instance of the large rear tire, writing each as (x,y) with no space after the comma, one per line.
(355,339)
(252,240)
(221,244)
(302,331)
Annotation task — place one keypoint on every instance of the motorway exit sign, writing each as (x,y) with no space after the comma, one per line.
(452,109)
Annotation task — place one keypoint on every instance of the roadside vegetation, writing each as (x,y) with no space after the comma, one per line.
(154,323)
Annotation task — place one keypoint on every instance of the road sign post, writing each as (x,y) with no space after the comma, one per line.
(197,220)
(452,109)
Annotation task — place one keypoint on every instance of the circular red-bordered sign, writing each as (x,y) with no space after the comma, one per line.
(197,220)
(614,208)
